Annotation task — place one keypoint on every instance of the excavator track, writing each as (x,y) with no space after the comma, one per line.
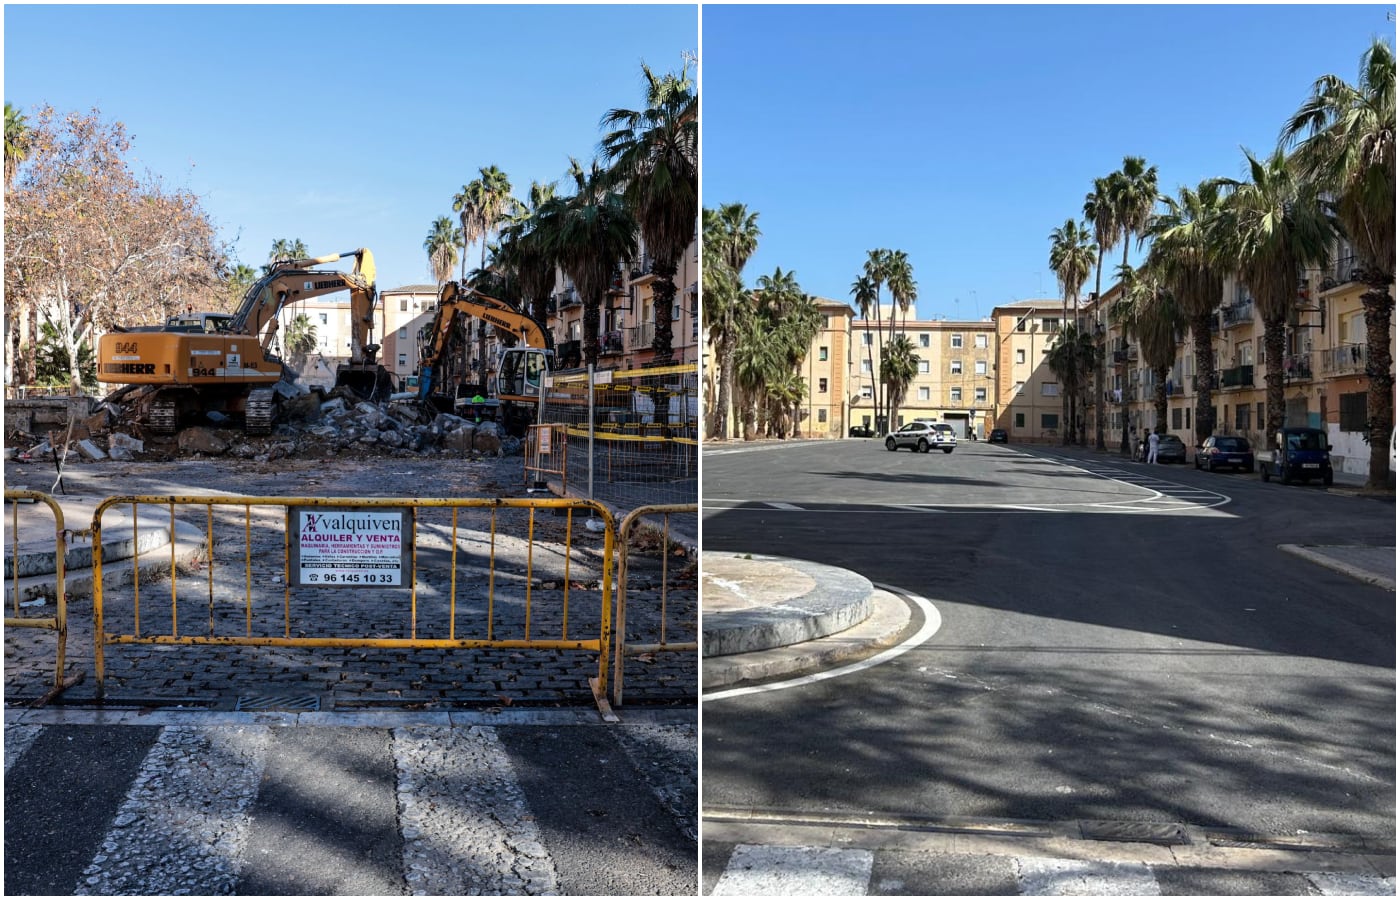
(163,416)
(260,411)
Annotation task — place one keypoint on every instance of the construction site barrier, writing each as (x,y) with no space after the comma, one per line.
(350,544)
(547,453)
(57,623)
(624,649)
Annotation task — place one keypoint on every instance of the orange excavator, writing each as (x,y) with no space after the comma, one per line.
(201,363)
(443,382)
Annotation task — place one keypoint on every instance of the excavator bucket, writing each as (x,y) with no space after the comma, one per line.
(371,382)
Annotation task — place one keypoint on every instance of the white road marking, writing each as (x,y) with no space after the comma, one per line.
(932,622)
(17,740)
(776,504)
(757,871)
(1072,877)
(1338,885)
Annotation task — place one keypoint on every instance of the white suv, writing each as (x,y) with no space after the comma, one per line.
(921,436)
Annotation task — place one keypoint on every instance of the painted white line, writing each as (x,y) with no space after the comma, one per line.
(757,871)
(1080,878)
(1339,885)
(779,505)
(932,622)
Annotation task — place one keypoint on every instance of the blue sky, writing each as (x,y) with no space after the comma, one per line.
(344,126)
(964,135)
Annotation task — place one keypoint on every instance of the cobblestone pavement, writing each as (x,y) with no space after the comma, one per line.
(518,576)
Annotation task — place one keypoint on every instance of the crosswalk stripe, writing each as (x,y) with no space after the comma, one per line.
(184,823)
(764,871)
(466,826)
(1043,877)
(779,505)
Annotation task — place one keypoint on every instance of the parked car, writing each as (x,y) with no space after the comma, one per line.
(1171,448)
(921,437)
(998,436)
(1300,454)
(862,431)
(1220,450)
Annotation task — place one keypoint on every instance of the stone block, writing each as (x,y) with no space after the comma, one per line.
(201,440)
(91,451)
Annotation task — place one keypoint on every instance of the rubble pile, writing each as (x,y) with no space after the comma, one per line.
(310,424)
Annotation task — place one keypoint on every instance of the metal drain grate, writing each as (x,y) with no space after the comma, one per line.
(1134,832)
(265,703)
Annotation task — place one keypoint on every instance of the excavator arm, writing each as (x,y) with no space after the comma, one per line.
(454,300)
(294,280)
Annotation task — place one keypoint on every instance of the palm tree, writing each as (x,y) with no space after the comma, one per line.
(522,251)
(1071,358)
(465,205)
(441,246)
(1274,227)
(1098,210)
(17,136)
(731,237)
(898,367)
(1149,314)
(493,202)
(865,293)
(588,234)
(284,250)
(1186,252)
(655,157)
(1349,152)
(301,339)
(1133,192)
(1072,253)
(876,269)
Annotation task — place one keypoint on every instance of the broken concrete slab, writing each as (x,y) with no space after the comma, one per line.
(201,440)
(91,451)
(117,440)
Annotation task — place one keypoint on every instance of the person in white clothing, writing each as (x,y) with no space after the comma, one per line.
(1152,441)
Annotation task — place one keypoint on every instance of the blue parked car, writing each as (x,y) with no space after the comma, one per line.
(1302,454)
(1221,450)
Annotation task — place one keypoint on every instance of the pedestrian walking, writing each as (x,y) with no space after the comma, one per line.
(1152,441)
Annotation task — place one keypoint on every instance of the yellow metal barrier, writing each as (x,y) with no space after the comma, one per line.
(57,623)
(622,648)
(346,544)
(547,453)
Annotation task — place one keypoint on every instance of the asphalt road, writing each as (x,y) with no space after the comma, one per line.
(1117,642)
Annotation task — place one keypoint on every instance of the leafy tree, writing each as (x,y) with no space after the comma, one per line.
(441,245)
(1187,252)
(1349,152)
(92,246)
(1099,211)
(54,364)
(1274,227)
(655,157)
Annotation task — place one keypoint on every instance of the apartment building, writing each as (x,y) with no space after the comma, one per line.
(1029,405)
(1324,367)
(827,370)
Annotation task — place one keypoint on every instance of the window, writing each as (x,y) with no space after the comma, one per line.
(1020,356)
(1019,386)
(923,367)
(1188,417)
(981,395)
(956,367)
(1021,325)
(1242,417)
(980,367)
(324,318)
(980,342)
(956,340)
(1050,389)
(924,394)
(1049,421)
(1051,324)
(1176,419)
(821,416)
(821,385)
(676,312)
(1020,420)
(865,394)
(822,354)
(403,334)
(865,339)
(1352,408)
(955,395)
(923,340)
(403,360)
(403,305)
(865,366)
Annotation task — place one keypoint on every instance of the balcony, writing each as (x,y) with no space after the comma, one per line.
(1348,359)
(1237,314)
(569,354)
(610,343)
(1122,357)
(567,298)
(1347,269)
(641,336)
(641,270)
(1298,367)
(1239,376)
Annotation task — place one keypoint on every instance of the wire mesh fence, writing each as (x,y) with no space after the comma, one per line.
(642,446)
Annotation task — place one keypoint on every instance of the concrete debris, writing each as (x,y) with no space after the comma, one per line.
(202,440)
(91,451)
